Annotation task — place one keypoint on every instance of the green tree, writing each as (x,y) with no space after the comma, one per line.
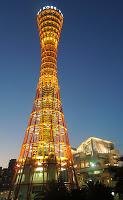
(56,191)
(98,191)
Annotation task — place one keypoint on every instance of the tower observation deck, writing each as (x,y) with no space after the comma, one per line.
(46,153)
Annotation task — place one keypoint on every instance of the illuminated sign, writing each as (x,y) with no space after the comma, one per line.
(50,7)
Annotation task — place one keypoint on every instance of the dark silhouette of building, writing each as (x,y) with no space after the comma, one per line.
(6,175)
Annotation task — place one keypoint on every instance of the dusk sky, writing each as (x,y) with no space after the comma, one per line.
(90,70)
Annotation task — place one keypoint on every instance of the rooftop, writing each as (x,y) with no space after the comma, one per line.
(50,7)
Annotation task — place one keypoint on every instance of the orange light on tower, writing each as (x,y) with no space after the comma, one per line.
(46,153)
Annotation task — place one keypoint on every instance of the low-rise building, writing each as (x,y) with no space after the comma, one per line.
(93,160)
(6,175)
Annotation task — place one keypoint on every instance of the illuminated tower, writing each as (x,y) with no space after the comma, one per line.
(46,153)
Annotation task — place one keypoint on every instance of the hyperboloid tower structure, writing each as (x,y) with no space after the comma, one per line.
(46,153)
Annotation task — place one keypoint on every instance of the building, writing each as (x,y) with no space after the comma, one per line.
(46,153)
(93,160)
(6,175)
(11,170)
(0,177)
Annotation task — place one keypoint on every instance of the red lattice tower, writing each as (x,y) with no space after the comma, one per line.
(46,153)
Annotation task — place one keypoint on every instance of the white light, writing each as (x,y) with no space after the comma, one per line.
(92,164)
(62,169)
(48,7)
(112,193)
(39,164)
(39,169)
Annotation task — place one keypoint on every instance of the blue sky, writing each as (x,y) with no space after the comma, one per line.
(90,69)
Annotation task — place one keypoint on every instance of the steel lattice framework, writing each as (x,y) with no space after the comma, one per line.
(46,153)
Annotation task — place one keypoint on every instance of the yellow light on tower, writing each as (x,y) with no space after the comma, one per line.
(46,150)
